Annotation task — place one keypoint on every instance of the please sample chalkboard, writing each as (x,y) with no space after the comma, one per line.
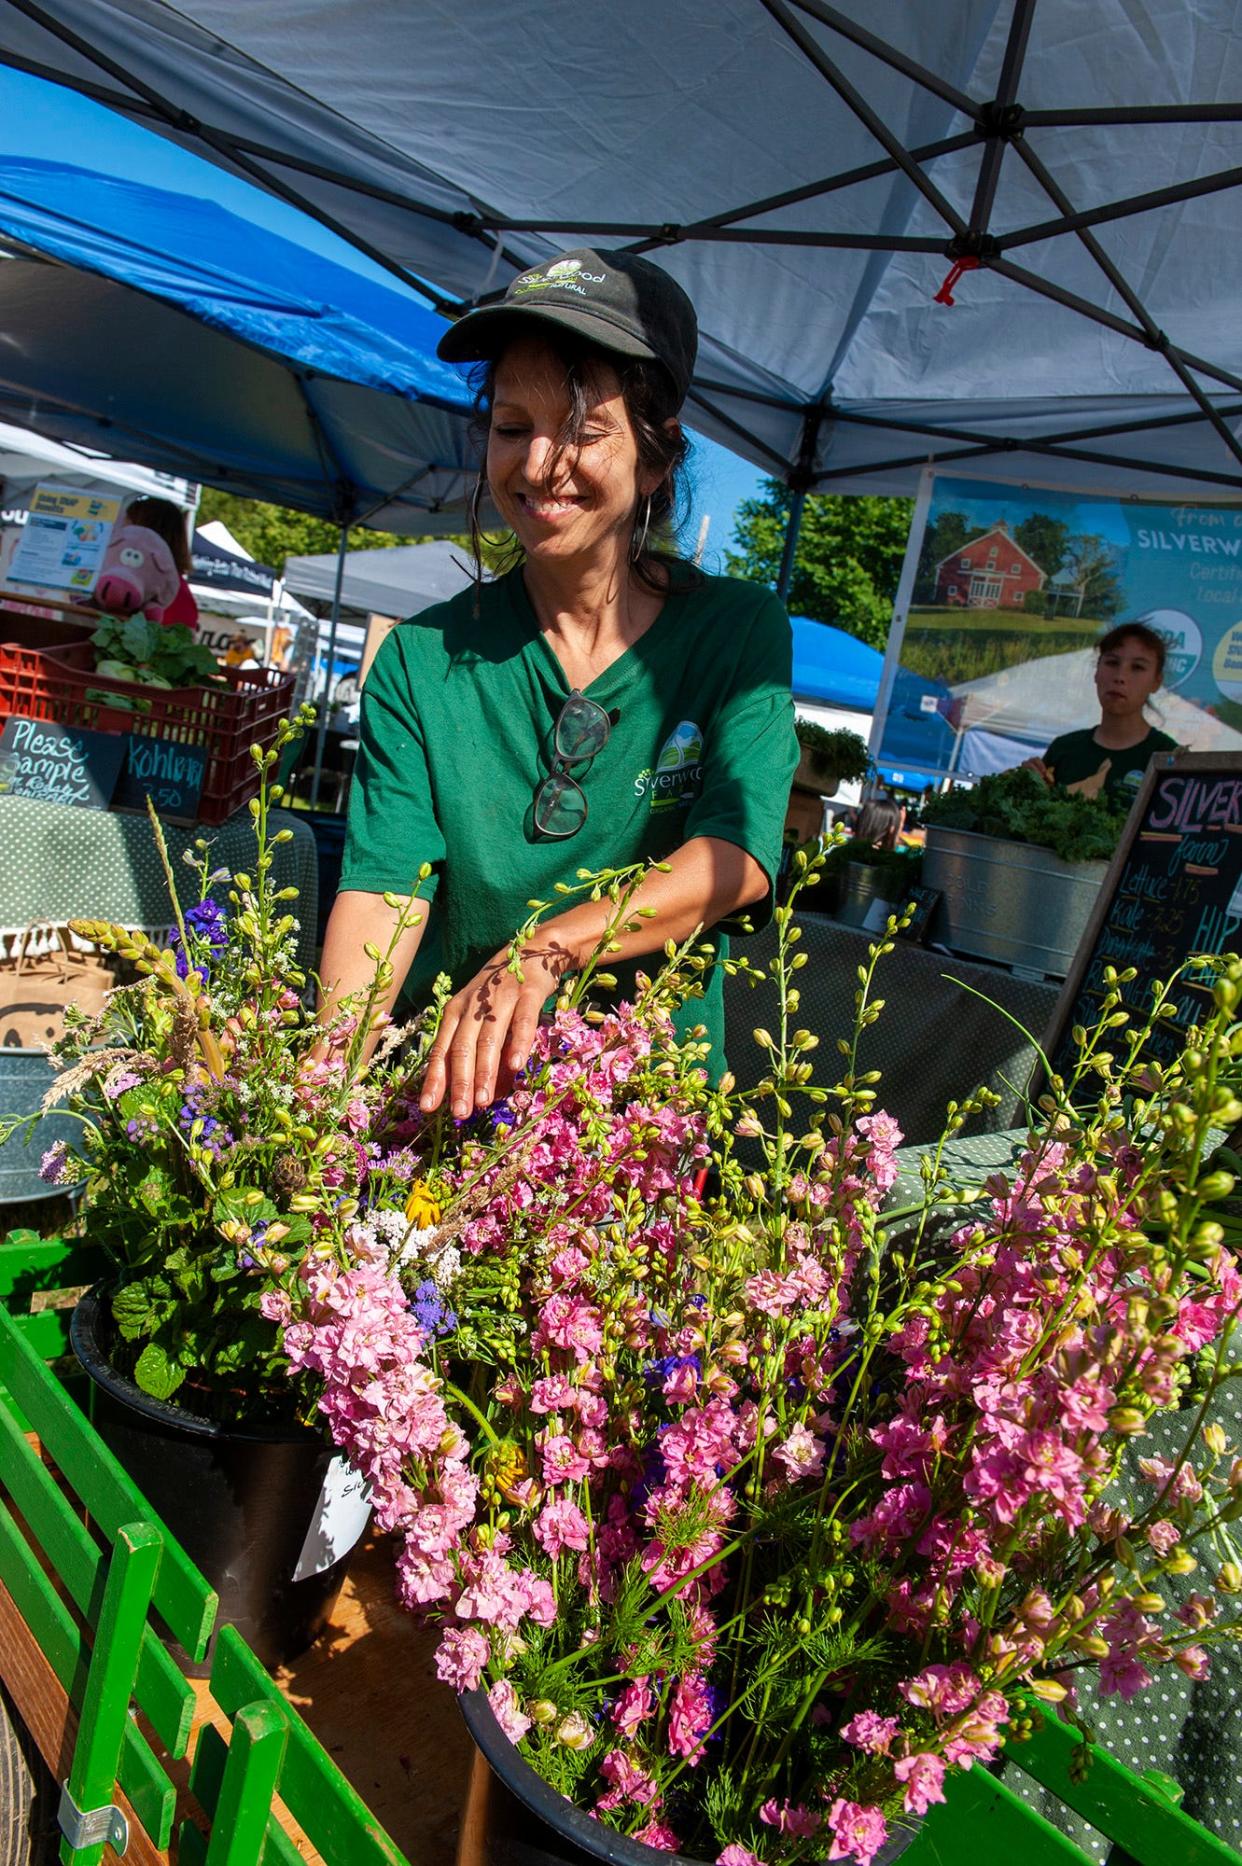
(171,775)
(1174,888)
(59,764)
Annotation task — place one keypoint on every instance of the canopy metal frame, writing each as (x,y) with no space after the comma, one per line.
(998,125)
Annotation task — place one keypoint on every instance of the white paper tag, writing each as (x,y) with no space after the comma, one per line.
(338,1519)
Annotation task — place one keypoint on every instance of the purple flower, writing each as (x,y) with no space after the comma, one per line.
(208,923)
(52,1165)
(428,1305)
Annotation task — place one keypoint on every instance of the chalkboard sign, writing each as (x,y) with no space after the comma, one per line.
(1174,888)
(171,775)
(925,902)
(59,764)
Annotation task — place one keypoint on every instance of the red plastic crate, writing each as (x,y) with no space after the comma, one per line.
(53,684)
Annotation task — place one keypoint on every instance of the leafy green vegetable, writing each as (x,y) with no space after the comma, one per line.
(1018,806)
(152,655)
(841,754)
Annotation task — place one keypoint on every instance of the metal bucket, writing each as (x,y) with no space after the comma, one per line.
(25,1077)
(864,884)
(1008,901)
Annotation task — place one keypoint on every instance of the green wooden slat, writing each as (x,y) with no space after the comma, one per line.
(312,1787)
(1138,1814)
(104,1719)
(162,1692)
(47,1332)
(64,1647)
(983,1823)
(256,1752)
(210,1759)
(182,1596)
(29,1262)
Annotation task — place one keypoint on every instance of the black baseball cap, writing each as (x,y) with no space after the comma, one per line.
(616,300)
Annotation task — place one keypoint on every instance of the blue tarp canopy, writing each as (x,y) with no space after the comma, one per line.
(837,669)
(817,175)
(150,323)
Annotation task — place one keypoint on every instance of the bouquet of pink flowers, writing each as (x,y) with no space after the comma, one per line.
(754,1507)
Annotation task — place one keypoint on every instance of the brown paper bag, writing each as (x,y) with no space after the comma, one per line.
(35,988)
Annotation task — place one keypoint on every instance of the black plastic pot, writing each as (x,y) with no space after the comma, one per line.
(239,1501)
(526,1823)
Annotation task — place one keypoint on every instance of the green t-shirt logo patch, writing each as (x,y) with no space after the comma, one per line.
(677,779)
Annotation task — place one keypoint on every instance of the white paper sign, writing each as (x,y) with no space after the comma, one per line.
(339,1518)
(64,539)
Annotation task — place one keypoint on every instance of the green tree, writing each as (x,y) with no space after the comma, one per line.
(945,534)
(1093,566)
(848,560)
(272,532)
(1044,539)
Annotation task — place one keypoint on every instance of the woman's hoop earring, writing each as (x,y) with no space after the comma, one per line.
(638,543)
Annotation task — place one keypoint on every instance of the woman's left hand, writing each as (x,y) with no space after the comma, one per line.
(488,1029)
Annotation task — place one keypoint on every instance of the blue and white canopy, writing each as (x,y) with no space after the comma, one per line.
(817,175)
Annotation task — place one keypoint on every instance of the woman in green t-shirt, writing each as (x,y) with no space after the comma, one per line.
(1113,756)
(600,704)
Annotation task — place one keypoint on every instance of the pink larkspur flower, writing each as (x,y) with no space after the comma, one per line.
(868,1730)
(561,1525)
(507,1711)
(462,1653)
(738,1856)
(660,1835)
(858,1831)
(923,1777)
(791,1817)
(801,1454)
(689,1717)
(634,1706)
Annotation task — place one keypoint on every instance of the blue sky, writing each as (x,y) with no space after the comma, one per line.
(42,121)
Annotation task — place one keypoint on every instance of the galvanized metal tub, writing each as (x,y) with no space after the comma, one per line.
(1009,901)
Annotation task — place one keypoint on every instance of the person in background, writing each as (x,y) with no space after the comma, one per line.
(1112,757)
(167,521)
(880,822)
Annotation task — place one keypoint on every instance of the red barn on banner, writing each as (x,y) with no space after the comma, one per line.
(991,571)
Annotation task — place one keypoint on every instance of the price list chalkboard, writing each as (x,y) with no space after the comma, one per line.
(1174,888)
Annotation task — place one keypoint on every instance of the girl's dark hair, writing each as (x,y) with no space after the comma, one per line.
(167,521)
(1155,644)
(879,822)
(650,401)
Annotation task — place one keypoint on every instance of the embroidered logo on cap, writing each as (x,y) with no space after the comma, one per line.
(566,275)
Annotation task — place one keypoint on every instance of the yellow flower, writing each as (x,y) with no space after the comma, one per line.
(421,1209)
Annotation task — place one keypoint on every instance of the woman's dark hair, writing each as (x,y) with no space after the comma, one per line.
(167,521)
(1135,631)
(879,822)
(650,402)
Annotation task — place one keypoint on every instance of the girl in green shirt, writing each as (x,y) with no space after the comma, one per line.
(600,704)
(1113,756)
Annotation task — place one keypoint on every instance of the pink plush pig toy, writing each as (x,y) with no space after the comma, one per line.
(138,574)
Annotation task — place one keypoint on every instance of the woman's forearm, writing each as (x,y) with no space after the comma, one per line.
(706,880)
(356,921)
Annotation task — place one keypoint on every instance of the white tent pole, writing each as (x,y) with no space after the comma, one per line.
(793,525)
(327,682)
(901,606)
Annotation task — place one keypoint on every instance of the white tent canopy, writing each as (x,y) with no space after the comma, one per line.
(27,459)
(397,581)
(1039,699)
(816,175)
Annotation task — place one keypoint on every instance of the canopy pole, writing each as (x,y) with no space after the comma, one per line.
(793,525)
(327,679)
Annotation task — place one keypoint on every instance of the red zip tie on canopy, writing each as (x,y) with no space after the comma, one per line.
(945,295)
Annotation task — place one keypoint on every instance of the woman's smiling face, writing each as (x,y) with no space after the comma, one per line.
(582,506)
